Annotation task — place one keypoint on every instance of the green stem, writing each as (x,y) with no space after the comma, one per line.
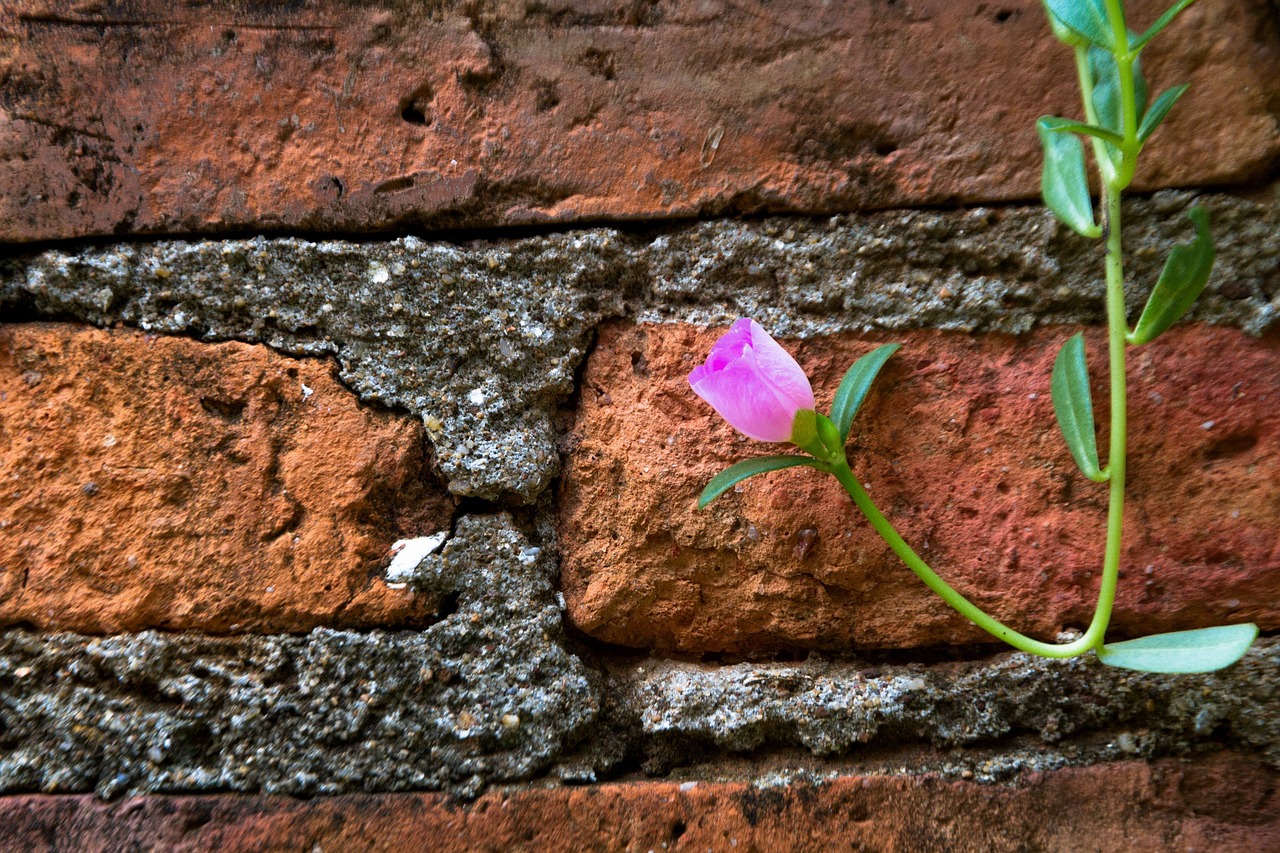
(1117,329)
(1125,57)
(1085,75)
(1117,326)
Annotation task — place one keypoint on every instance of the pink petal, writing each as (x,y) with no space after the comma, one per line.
(753,382)
(777,367)
(749,404)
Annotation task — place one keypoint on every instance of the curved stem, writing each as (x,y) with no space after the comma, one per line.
(966,608)
(1113,181)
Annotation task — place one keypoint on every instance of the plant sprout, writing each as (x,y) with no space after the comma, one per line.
(751,381)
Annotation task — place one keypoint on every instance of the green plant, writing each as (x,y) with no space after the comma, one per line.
(748,382)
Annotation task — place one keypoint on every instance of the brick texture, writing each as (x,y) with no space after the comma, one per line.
(156,482)
(1222,802)
(159,117)
(958,446)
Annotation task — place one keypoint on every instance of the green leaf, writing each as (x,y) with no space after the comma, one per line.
(1061,31)
(1161,22)
(735,474)
(1158,111)
(1087,18)
(1073,404)
(1203,650)
(1066,125)
(1062,181)
(1181,282)
(855,385)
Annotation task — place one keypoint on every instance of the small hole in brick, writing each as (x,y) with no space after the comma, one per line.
(547,95)
(599,62)
(1232,445)
(227,410)
(416,107)
(639,364)
(413,115)
(1003,15)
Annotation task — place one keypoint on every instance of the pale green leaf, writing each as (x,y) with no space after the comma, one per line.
(1061,31)
(1161,22)
(1202,650)
(1087,18)
(1158,111)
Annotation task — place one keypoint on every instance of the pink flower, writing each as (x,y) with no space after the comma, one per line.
(753,383)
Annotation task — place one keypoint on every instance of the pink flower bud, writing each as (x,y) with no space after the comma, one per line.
(753,383)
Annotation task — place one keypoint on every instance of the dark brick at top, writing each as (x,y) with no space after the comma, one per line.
(155,117)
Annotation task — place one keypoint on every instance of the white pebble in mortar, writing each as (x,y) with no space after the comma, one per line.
(407,554)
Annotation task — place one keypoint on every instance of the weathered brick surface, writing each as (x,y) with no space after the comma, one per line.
(154,116)
(159,482)
(1219,802)
(959,447)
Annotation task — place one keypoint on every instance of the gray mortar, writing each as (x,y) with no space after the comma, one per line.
(482,340)
(1006,269)
(666,708)
(338,711)
(486,694)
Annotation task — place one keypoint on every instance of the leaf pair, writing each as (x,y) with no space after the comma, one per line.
(1107,102)
(1063,182)
(849,398)
(1184,277)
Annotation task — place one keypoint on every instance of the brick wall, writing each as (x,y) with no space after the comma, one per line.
(284,289)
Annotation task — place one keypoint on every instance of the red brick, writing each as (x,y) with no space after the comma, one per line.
(959,447)
(164,483)
(157,117)
(1222,802)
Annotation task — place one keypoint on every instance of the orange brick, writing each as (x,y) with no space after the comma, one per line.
(164,483)
(330,117)
(1219,802)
